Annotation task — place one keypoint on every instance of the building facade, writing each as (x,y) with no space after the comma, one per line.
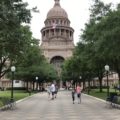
(57,36)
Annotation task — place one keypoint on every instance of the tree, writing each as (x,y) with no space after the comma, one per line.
(12,14)
(102,32)
(77,66)
(32,63)
(92,36)
(110,35)
(99,10)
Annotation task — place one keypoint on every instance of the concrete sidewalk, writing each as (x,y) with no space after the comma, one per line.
(39,107)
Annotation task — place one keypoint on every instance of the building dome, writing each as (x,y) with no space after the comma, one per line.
(57,11)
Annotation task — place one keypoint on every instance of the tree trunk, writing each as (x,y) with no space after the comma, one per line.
(100,82)
(88,87)
(83,85)
(119,80)
(33,85)
(26,84)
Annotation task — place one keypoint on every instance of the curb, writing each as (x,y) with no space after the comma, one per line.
(96,98)
(113,104)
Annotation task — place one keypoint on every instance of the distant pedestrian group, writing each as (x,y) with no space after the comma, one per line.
(77,91)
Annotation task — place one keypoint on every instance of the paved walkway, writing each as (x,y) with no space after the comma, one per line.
(39,107)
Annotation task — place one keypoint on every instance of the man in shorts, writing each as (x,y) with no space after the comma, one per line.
(52,89)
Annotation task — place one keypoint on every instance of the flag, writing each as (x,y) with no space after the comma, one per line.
(54,25)
(34,9)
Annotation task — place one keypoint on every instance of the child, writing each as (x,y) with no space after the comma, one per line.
(73,95)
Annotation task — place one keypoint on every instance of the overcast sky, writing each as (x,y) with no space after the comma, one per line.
(78,13)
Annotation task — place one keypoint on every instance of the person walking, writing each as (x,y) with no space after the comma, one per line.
(73,95)
(48,91)
(52,89)
(56,91)
(78,91)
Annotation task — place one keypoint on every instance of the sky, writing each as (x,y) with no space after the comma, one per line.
(77,10)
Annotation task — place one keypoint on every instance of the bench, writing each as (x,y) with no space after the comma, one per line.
(113,100)
(7,104)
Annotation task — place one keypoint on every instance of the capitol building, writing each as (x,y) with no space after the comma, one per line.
(57,36)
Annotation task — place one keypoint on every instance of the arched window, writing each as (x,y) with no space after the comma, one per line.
(57,62)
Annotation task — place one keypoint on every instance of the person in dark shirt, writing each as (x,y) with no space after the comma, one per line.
(73,95)
(56,90)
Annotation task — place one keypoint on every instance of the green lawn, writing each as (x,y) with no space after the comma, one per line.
(96,93)
(102,95)
(19,94)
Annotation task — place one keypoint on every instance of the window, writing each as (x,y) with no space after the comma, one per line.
(17,81)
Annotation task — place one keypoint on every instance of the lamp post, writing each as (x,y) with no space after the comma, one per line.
(12,70)
(107,70)
(80,77)
(36,82)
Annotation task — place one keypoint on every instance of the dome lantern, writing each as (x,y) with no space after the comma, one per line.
(57,11)
(57,3)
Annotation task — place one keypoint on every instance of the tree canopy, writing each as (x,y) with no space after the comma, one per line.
(99,44)
(12,14)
